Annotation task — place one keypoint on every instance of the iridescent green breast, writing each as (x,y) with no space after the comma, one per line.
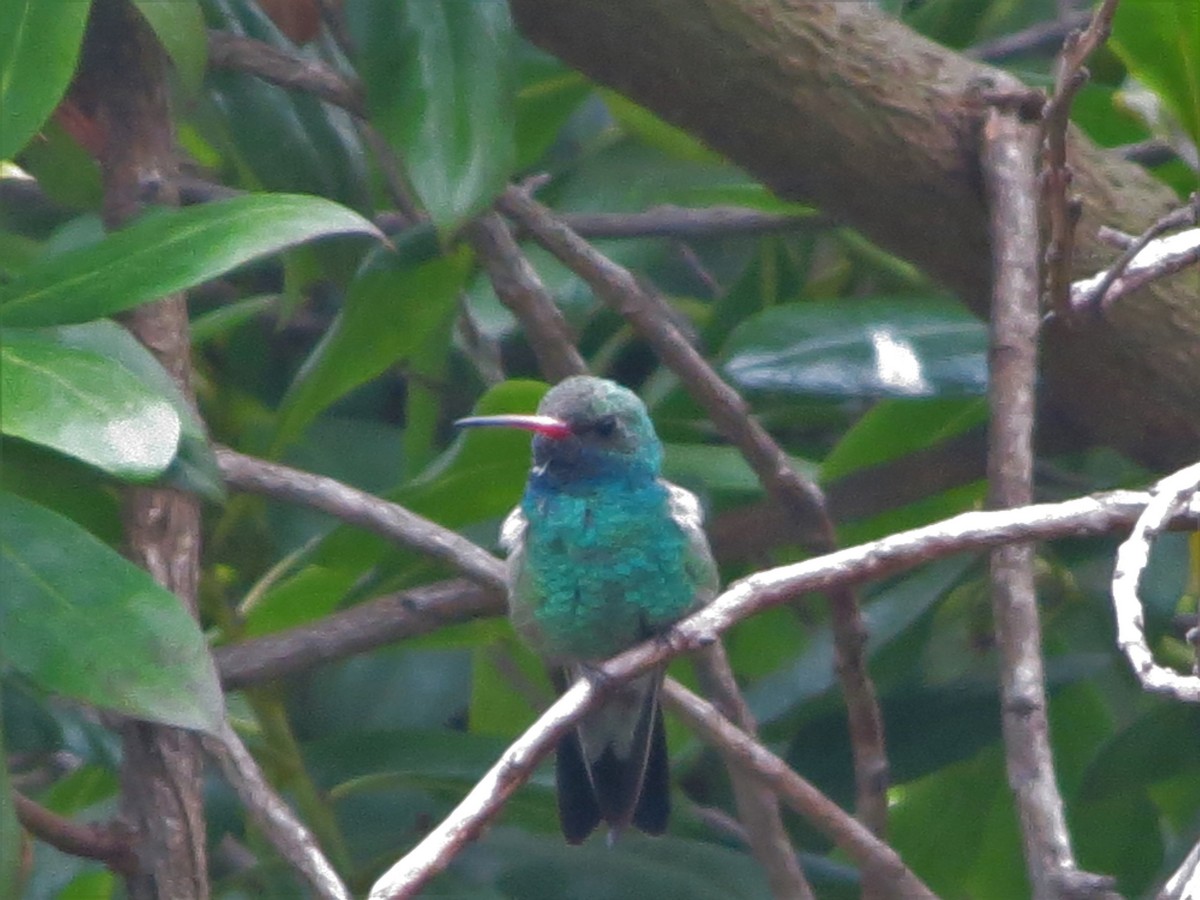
(599,572)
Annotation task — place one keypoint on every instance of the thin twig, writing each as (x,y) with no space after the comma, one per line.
(108,843)
(390,520)
(1133,555)
(286,833)
(1184,884)
(1034,39)
(358,629)
(682,222)
(1061,210)
(519,288)
(1178,218)
(1159,259)
(283,69)
(1011,184)
(619,289)
(873,856)
(757,805)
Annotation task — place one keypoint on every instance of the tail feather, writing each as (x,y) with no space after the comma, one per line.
(654,804)
(614,766)
(578,812)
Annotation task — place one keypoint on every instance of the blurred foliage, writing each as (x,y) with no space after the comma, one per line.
(350,357)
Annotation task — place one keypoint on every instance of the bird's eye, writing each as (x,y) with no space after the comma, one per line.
(605,426)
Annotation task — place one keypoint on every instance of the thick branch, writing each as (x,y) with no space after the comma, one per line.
(835,103)
(122,86)
(1008,153)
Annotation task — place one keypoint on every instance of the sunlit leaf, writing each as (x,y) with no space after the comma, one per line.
(84,404)
(883,347)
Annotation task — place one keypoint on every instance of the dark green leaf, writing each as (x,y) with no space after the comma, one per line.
(439,76)
(80,620)
(84,404)
(10,831)
(391,310)
(212,325)
(882,347)
(166,251)
(895,428)
(39,44)
(673,868)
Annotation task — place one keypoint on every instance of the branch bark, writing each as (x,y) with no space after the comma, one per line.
(786,90)
(121,85)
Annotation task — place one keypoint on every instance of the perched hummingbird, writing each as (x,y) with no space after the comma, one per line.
(603,554)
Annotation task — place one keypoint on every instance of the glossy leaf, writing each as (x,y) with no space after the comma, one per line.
(1159,40)
(179,26)
(390,312)
(166,251)
(195,465)
(439,76)
(39,45)
(80,620)
(84,404)
(883,347)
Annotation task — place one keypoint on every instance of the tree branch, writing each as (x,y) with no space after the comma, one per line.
(1062,209)
(394,522)
(1169,495)
(1010,180)
(875,858)
(109,844)
(287,834)
(1168,257)
(520,288)
(285,70)
(121,85)
(356,630)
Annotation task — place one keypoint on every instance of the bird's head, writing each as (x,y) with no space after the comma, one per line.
(586,430)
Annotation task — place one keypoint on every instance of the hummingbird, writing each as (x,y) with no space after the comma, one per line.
(603,553)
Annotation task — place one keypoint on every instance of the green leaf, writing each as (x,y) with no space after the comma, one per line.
(84,404)
(166,251)
(179,26)
(194,467)
(892,429)
(10,831)
(654,132)
(39,45)
(439,76)
(1159,40)
(80,620)
(879,347)
(390,311)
